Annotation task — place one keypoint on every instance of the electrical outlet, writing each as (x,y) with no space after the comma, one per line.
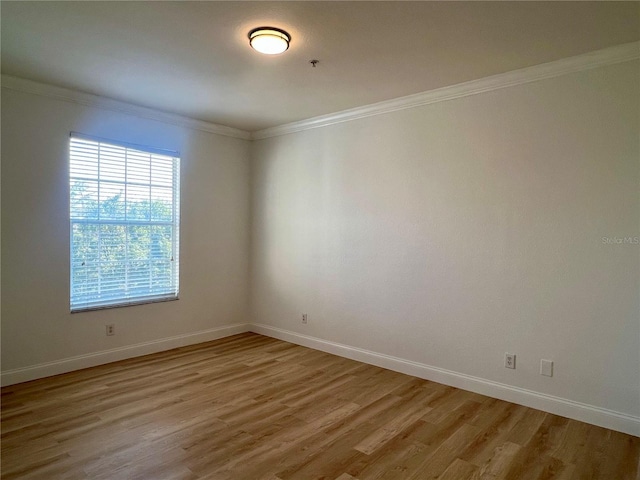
(111,329)
(510,360)
(304,318)
(546,368)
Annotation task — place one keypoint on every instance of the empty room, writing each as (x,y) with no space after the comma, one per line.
(332,240)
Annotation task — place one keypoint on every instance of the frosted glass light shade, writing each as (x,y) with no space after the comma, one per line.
(269,40)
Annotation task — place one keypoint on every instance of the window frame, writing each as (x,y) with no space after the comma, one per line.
(125,300)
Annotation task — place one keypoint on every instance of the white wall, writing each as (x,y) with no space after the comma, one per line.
(36,324)
(443,235)
(452,233)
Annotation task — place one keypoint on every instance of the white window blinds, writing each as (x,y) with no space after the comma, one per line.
(124,210)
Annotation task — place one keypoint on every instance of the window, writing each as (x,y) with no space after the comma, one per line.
(124,210)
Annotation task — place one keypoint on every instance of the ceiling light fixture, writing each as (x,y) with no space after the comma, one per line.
(269,40)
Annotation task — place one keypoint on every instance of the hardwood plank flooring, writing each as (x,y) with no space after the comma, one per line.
(252,407)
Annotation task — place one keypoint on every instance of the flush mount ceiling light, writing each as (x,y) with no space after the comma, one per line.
(269,40)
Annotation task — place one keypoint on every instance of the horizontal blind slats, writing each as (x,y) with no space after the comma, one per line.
(124,209)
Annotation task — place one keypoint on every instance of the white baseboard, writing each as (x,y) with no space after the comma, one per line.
(70,364)
(559,406)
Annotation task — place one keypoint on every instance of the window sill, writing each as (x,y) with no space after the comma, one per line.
(124,304)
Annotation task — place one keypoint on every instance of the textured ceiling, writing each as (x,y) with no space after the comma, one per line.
(193,58)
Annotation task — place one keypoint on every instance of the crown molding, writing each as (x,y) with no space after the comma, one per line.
(598,58)
(68,95)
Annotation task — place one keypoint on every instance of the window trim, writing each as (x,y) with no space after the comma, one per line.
(176,210)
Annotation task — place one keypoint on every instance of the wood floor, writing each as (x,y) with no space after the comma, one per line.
(252,407)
